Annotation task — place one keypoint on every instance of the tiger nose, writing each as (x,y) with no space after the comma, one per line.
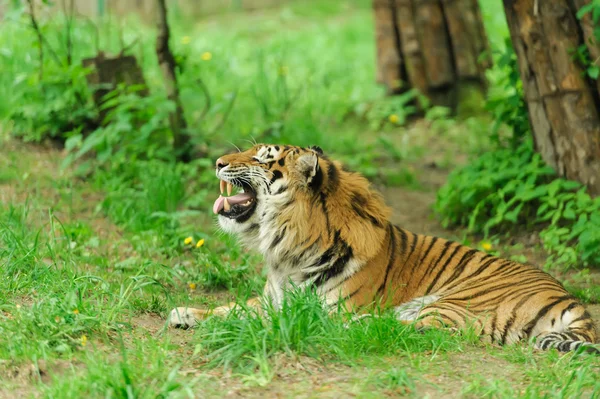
(221,163)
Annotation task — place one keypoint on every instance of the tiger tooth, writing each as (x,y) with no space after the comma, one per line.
(222,186)
(226,205)
(229,188)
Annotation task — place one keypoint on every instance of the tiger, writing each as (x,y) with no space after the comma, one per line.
(319,225)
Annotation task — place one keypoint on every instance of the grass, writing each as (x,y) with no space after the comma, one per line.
(303,327)
(84,299)
(93,256)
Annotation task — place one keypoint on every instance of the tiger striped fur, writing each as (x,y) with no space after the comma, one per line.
(319,225)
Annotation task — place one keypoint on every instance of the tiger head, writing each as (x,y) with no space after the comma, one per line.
(275,196)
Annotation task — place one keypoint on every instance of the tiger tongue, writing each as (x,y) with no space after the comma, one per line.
(233,200)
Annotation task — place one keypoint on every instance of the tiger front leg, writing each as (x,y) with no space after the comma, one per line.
(184,317)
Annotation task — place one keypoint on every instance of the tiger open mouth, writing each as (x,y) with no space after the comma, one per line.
(239,206)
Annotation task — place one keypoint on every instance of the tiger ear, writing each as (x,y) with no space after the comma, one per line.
(308,165)
(316,149)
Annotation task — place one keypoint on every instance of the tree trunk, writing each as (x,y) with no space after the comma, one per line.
(563,102)
(436,46)
(181,138)
(108,72)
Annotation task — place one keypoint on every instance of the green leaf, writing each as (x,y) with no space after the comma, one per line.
(513,214)
(584,10)
(569,214)
(543,208)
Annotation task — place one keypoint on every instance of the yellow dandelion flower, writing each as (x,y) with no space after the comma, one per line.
(200,243)
(486,246)
(75,311)
(283,70)
(188,240)
(192,286)
(186,40)
(206,56)
(83,340)
(394,118)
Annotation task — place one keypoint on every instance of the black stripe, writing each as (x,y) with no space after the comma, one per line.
(413,244)
(405,257)
(542,312)
(278,239)
(333,178)
(443,268)
(317,180)
(462,264)
(276,175)
(440,316)
(493,325)
(505,296)
(432,267)
(341,252)
(324,208)
(572,336)
(571,306)
(391,257)
(403,239)
(460,312)
(495,286)
(433,241)
(346,297)
(243,218)
(281,190)
(359,206)
(584,316)
(477,272)
(507,326)
(513,314)
(252,227)
(316,149)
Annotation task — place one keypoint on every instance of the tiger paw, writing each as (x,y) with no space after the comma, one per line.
(186,317)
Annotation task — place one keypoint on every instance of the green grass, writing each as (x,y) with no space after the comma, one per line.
(83,302)
(246,340)
(93,257)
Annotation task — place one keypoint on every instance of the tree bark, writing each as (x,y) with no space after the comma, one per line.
(563,102)
(166,60)
(436,46)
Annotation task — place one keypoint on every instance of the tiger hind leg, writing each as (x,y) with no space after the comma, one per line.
(426,313)
(431,312)
(407,312)
(566,329)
